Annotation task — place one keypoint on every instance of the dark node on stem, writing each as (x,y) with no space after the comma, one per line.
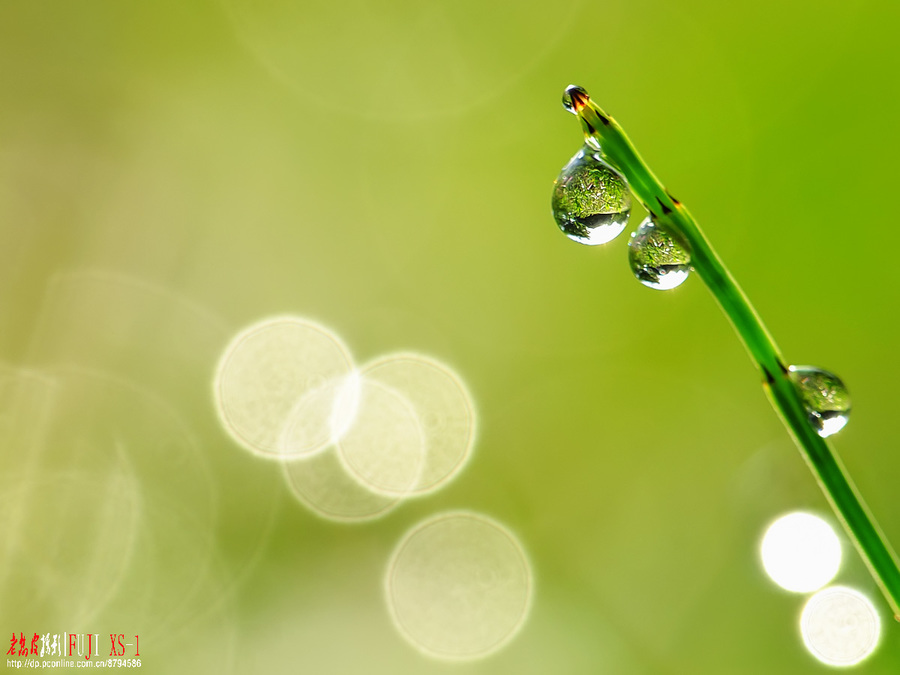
(770,379)
(674,201)
(590,127)
(784,368)
(665,209)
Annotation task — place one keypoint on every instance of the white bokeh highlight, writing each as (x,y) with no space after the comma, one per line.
(458,586)
(272,377)
(322,484)
(840,626)
(443,407)
(354,443)
(384,447)
(321,417)
(801,552)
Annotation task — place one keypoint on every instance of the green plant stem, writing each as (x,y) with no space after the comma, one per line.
(600,129)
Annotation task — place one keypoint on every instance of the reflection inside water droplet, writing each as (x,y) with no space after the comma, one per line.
(591,202)
(656,259)
(573,92)
(824,396)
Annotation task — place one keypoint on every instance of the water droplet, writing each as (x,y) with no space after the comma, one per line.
(656,259)
(591,201)
(573,97)
(825,398)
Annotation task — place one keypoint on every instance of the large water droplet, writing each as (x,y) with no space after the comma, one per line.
(656,259)
(573,97)
(824,396)
(591,202)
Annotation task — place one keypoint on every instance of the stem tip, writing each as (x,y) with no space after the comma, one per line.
(575,99)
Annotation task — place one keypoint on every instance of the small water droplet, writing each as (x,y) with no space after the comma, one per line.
(656,259)
(591,201)
(572,96)
(824,396)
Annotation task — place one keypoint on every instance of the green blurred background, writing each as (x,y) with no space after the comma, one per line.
(173,171)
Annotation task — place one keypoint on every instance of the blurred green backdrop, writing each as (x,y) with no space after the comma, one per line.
(173,171)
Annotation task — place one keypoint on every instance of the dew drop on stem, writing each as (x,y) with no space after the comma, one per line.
(824,396)
(574,96)
(656,259)
(591,201)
